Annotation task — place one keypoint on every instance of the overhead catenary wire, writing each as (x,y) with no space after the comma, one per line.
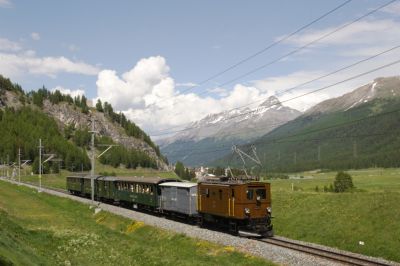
(271,45)
(241,131)
(282,139)
(291,53)
(307,44)
(304,94)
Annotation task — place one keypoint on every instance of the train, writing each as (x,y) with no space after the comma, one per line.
(235,205)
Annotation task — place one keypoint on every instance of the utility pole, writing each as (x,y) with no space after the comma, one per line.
(92,160)
(92,147)
(295,157)
(19,165)
(8,163)
(319,152)
(355,149)
(40,165)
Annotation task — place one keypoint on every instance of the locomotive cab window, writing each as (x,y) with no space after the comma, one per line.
(261,193)
(249,194)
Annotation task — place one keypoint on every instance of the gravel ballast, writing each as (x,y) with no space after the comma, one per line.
(270,252)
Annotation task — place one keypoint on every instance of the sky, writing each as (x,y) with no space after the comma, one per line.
(156,61)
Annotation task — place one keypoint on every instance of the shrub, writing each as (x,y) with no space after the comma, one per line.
(343,182)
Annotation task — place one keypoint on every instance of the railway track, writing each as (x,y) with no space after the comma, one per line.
(338,256)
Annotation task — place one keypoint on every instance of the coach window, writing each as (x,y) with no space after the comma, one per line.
(249,194)
(207,192)
(220,194)
(151,190)
(131,185)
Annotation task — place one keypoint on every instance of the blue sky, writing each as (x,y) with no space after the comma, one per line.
(142,56)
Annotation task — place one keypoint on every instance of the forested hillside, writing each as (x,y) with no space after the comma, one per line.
(364,136)
(22,129)
(23,121)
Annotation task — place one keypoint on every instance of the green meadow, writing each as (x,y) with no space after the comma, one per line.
(370,213)
(39,229)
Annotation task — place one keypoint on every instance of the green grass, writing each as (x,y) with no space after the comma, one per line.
(39,229)
(370,214)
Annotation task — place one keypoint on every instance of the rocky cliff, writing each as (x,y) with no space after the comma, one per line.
(66,114)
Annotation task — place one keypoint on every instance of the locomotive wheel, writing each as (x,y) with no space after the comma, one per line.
(233,227)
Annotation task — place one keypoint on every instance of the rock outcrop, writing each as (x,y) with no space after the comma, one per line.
(66,114)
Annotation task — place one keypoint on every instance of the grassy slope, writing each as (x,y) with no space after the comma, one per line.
(370,214)
(51,230)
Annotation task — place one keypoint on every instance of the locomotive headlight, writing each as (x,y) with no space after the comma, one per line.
(269,209)
(246,210)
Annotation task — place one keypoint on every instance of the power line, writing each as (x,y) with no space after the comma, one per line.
(297,50)
(254,129)
(308,93)
(270,45)
(279,140)
(308,44)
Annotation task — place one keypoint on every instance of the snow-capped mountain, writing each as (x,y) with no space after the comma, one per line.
(234,126)
(244,123)
(380,88)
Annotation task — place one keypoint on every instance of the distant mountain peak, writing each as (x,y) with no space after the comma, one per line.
(383,87)
(271,101)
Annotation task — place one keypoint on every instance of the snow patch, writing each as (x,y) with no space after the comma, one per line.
(373,87)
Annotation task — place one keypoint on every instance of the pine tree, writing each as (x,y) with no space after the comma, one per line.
(99,106)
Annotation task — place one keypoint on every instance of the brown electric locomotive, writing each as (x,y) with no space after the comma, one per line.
(240,205)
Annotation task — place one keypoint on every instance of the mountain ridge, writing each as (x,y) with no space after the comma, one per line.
(231,127)
(356,130)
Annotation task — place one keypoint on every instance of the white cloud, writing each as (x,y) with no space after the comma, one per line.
(35,36)
(186,84)
(219,91)
(147,95)
(393,8)
(73,93)
(365,32)
(5,3)
(17,64)
(157,104)
(7,45)
(141,86)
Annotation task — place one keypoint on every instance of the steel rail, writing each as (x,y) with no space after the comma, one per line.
(339,256)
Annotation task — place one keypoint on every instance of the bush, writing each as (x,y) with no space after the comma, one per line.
(343,182)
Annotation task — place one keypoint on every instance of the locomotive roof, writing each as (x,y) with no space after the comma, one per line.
(231,182)
(178,184)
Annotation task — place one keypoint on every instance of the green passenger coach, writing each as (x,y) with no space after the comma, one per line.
(133,192)
(139,192)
